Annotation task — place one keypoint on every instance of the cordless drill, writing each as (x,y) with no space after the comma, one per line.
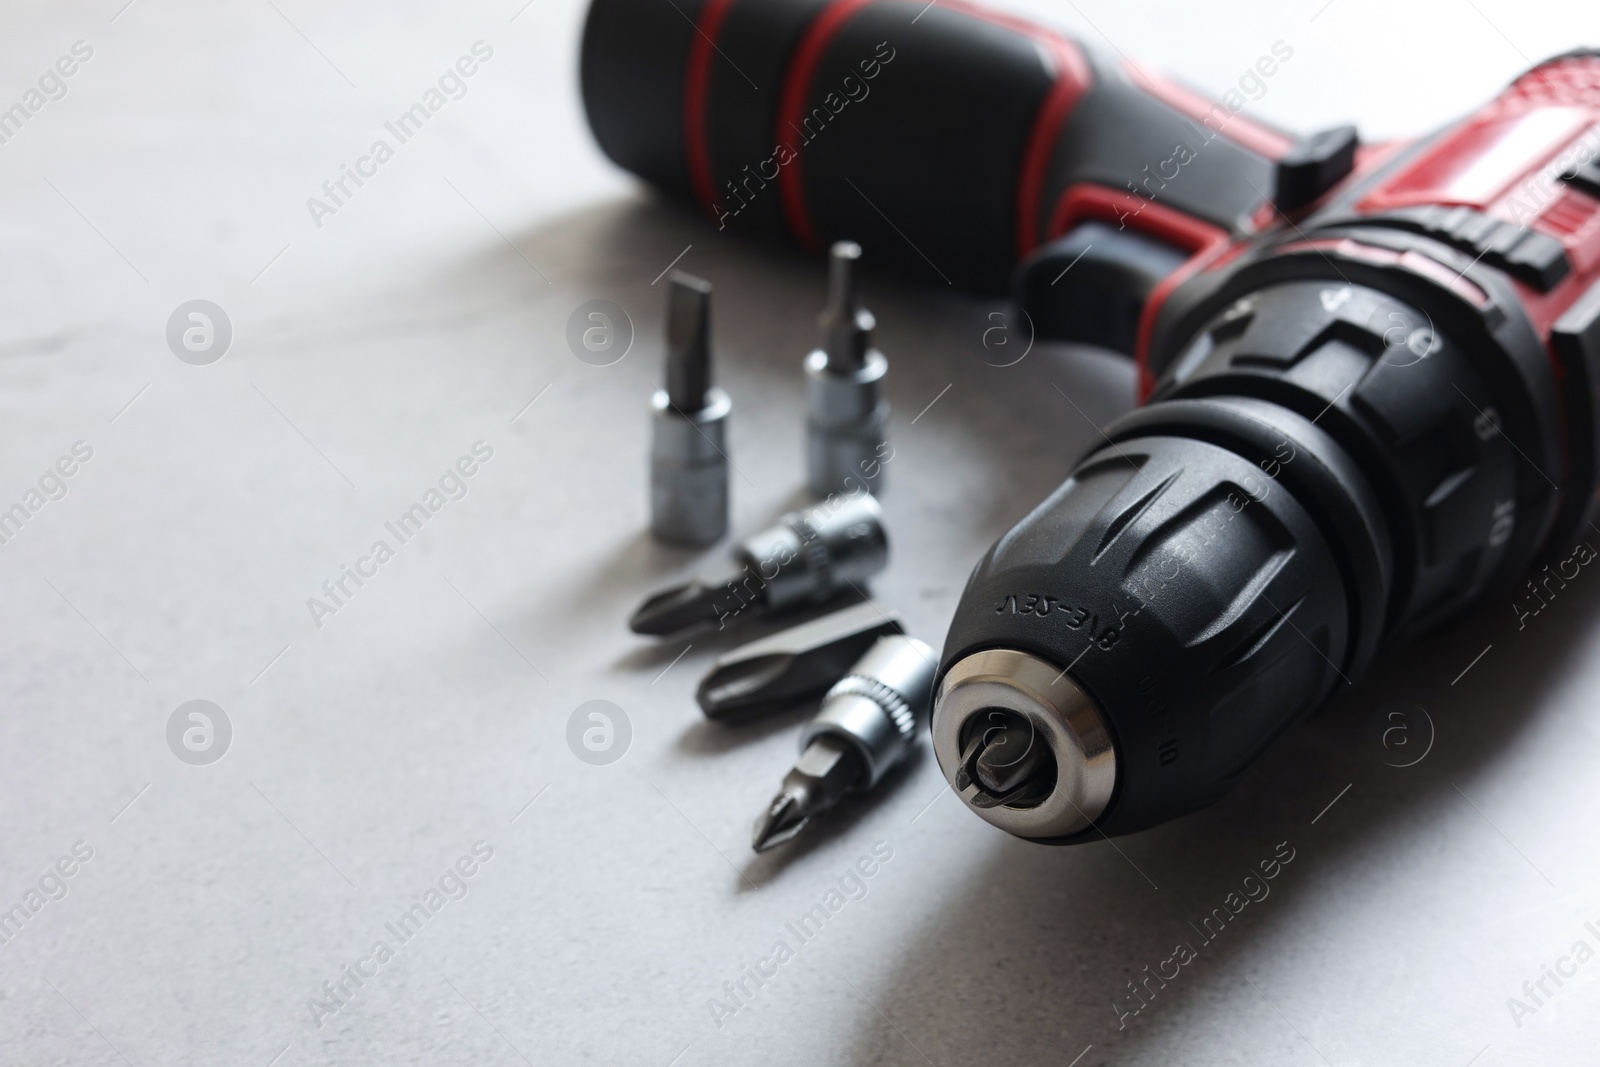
(1370,371)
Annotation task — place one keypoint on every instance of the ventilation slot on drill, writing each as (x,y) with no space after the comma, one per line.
(1052,532)
(1257,639)
(1203,568)
(1254,592)
(1117,525)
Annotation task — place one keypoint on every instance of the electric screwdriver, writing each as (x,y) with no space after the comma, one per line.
(1370,372)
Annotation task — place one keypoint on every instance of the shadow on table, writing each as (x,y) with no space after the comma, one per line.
(1037,948)
(948,353)
(952,403)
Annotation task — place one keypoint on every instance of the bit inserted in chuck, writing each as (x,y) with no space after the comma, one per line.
(847,425)
(866,726)
(809,557)
(1007,759)
(688,453)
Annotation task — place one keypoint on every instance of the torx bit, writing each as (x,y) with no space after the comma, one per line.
(688,454)
(809,557)
(786,668)
(867,723)
(846,326)
(847,427)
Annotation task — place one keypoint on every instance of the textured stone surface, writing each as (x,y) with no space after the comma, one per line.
(369,755)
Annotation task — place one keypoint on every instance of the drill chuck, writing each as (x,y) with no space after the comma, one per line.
(1316,473)
(1005,711)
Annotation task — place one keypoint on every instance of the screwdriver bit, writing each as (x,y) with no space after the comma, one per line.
(848,421)
(825,771)
(688,453)
(865,727)
(785,668)
(809,557)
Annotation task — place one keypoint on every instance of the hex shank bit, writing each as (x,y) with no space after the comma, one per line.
(808,558)
(848,420)
(689,451)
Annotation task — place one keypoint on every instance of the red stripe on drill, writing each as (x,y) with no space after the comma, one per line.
(792,106)
(696,82)
(1072,79)
(1204,242)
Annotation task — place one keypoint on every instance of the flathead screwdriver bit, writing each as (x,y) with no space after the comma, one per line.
(785,668)
(689,450)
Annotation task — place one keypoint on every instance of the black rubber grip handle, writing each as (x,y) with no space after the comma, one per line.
(951,141)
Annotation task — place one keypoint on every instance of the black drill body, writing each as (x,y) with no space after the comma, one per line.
(1371,372)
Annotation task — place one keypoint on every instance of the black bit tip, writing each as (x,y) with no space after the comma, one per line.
(846,325)
(683,607)
(826,770)
(1009,762)
(785,668)
(688,342)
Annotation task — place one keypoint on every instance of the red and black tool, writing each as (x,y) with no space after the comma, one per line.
(1373,373)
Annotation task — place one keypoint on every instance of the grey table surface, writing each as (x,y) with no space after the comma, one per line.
(375,748)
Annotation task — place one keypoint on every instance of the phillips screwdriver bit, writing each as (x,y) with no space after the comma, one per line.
(865,727)
(809,557)
(688,451)
(788,667)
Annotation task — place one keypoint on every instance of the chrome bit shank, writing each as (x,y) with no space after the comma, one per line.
(869,716)
(688,450)
(847,428)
